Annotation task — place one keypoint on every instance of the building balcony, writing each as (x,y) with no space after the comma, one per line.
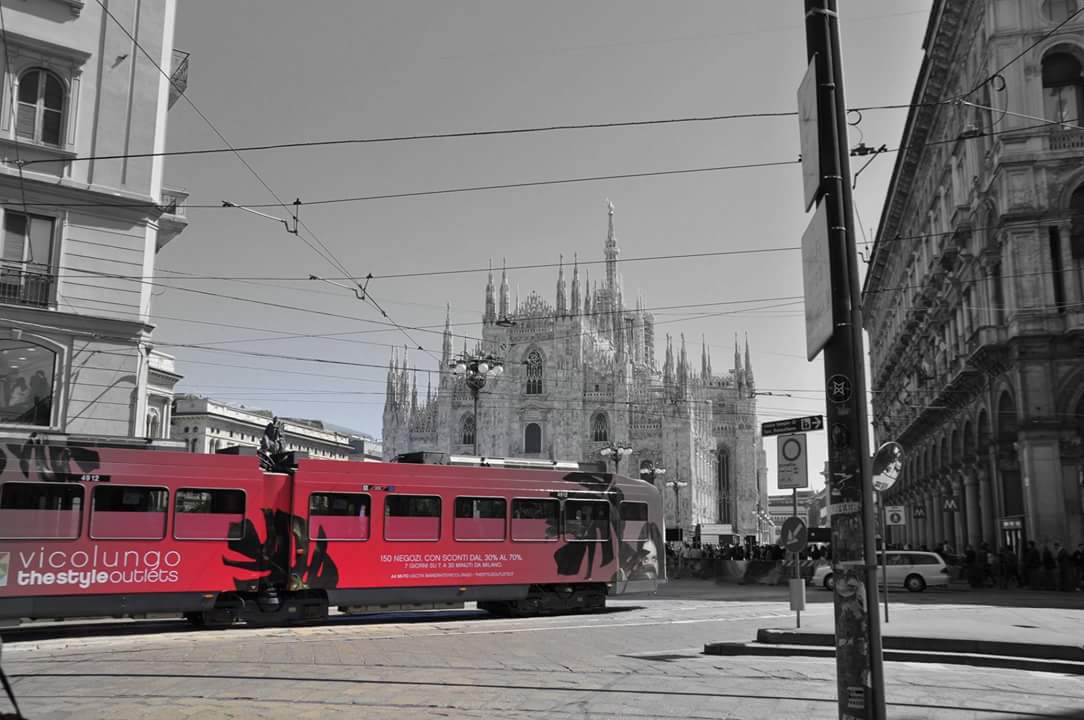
(173,219)
(1066,139)
(178,76)
(20,285)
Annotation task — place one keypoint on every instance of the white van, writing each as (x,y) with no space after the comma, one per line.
(913,569)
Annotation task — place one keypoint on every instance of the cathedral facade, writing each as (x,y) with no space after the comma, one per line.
(581,375)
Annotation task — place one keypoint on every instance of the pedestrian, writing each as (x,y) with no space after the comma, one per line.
(1033,565)
(1007,568)
(1078,562)
(1050,567)
(1065,567)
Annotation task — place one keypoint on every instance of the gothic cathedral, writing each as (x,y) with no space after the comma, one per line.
(582,375)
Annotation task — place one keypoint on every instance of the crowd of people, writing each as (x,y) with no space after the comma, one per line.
(1049,566)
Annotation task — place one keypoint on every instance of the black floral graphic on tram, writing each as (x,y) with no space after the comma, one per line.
(636,559)
(308,565)
(52,463)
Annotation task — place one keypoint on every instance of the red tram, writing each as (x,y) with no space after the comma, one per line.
(89,531)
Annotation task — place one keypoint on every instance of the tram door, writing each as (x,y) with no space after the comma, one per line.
(1012,533)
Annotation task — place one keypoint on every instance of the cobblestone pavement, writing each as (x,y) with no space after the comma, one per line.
(640,659)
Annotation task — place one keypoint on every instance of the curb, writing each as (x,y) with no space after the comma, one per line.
(1037,651)
(948,658)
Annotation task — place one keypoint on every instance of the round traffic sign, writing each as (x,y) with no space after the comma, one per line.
(895,517)
(793,536)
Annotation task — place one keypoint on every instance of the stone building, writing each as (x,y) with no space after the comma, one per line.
(84,212)
(206,426)
(581,374)
(974,298)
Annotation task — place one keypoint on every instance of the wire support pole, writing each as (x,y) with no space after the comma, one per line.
(859,665)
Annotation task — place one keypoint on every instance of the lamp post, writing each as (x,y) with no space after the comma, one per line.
(615,452)
(476,369)
(650,470)
(677,485)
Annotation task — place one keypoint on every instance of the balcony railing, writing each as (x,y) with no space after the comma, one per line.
(1067,139)
(21,286)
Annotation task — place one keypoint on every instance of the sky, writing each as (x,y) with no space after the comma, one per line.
(272,72)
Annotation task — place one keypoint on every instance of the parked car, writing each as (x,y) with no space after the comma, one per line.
(911,569)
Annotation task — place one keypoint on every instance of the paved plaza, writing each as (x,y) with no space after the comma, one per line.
(642,658)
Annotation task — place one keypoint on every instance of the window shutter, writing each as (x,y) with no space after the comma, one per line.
(24,121)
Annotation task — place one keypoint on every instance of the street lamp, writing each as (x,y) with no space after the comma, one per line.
(650,470)
(476,369)
(677,485)
(615,452)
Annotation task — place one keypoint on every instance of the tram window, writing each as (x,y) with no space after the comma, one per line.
(411,517)
(40,511)
(128,512)
(587,520)
(339,516)
(634,520)
(480,518)
(535,519)
(205,514)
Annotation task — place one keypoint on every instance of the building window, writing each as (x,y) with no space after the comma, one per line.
(27,380)
(534,373)
(40,114)
(468,433)
(1059,10)
(1063,89)
(26,258)
(1076,234)
(532,438)
(600,428)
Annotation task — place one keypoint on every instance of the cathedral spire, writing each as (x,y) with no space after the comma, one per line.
(611,259)
(414,392)
(505,291)
(575,284)
(446,348)
(562,307)
(668,365)
(491,298)
(588,308)
(705,376)
(683,365)
(389,391)
(748,364)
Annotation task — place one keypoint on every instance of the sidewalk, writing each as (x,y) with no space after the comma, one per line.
(1049,639)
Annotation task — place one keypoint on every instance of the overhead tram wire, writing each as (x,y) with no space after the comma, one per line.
(442,135)
(324,252)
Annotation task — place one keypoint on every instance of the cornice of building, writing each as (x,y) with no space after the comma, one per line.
(941,34)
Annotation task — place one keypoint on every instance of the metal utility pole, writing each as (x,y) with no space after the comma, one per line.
(831,265)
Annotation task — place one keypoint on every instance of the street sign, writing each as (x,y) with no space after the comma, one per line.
(810,137)
(717,529)
(817,283)
(791,470)
(895,514)
(951,504)
(793,536)
(919,513)
(792,425)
